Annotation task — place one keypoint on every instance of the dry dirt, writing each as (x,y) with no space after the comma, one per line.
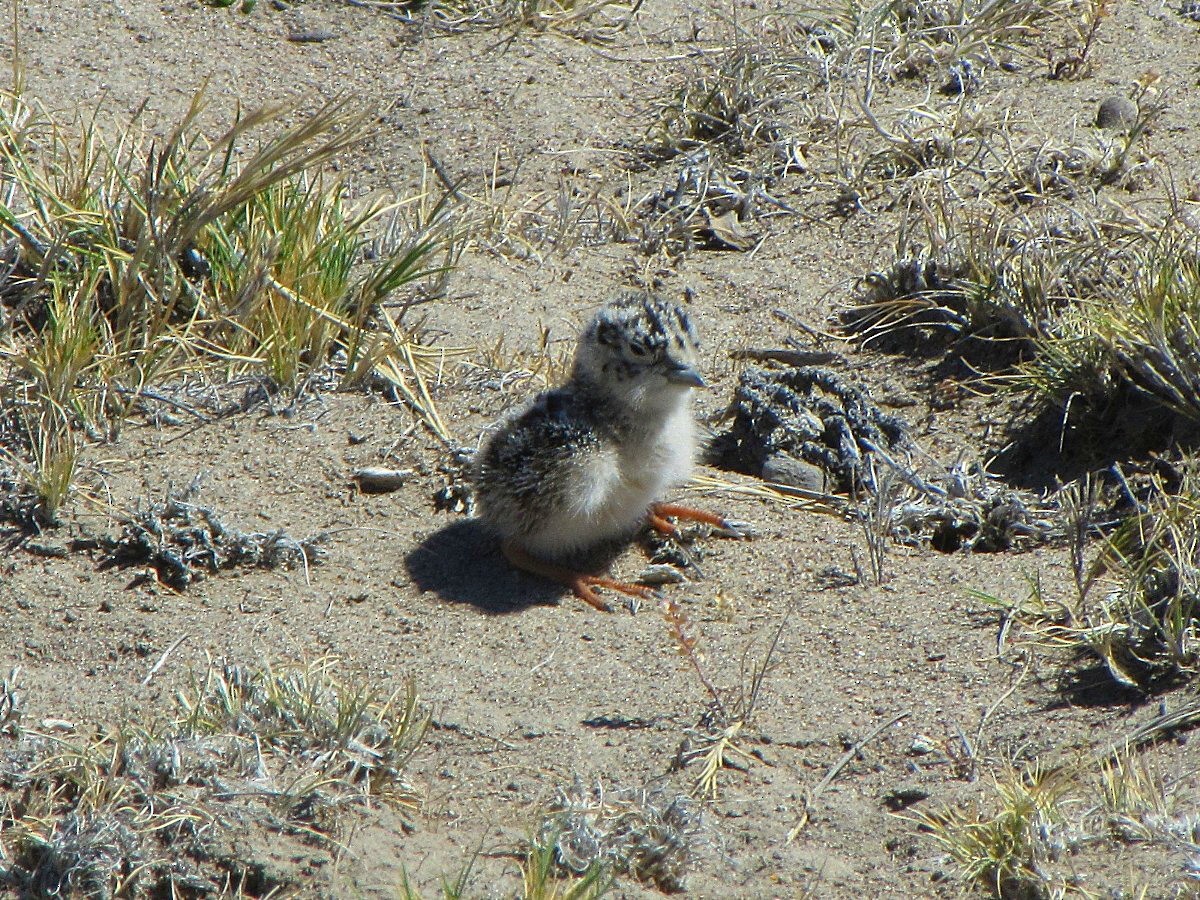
(532,690)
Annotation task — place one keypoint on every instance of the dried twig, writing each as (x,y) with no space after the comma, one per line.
(686,644)
(162,659)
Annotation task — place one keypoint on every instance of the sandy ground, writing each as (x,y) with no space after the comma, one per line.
(532,691)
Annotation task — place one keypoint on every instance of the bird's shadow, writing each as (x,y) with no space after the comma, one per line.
(462,563)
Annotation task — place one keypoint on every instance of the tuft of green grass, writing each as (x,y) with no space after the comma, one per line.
(137,260)
(1134,340)
(540,879)
(1002,849)
(1144,623)
(1037,831)
(244,6)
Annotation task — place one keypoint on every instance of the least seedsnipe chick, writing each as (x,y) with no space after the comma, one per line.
(588,463)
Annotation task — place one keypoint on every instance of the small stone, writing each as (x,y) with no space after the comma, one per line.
(963,78)
(660,574)
(784,469)
(1116,113)
(50,551)
(380,480)
(922,745)
(311,36)
(765,756)
(903,796)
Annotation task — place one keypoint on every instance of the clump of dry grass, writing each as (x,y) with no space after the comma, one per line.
(12,701)
(1137,603)
(646,833)
(344,737)
(724,139)
(576,214)
(133,260)
(1036,830)
(1087,164)
(733,103)
(984,271)
(901,40)
(597,21)
(183,541)
(709,205)
(587,20)
(133,811)
(600,21)
(965,508)
(714,741)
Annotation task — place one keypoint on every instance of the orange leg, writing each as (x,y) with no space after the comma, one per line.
(581,584)
(659,512)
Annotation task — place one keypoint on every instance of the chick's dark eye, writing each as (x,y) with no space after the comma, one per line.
(641,351)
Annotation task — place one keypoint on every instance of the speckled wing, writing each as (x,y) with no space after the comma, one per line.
(548,462)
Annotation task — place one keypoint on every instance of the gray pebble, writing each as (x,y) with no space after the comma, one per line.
(311,36)
(784,469)
(1116,113)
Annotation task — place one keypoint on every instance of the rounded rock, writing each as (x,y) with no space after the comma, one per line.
(1116,113)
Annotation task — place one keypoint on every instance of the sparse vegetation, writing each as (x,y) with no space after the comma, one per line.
(722,141)
(589,20)
(540,881)
(136,261)
(647,834)
(574,216)
(1001,191)
(1036,832)
(713,742)
(1135,340)
(1134,607)
(183,541)
(132,811)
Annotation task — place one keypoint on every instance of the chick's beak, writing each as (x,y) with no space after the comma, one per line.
(681,373)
